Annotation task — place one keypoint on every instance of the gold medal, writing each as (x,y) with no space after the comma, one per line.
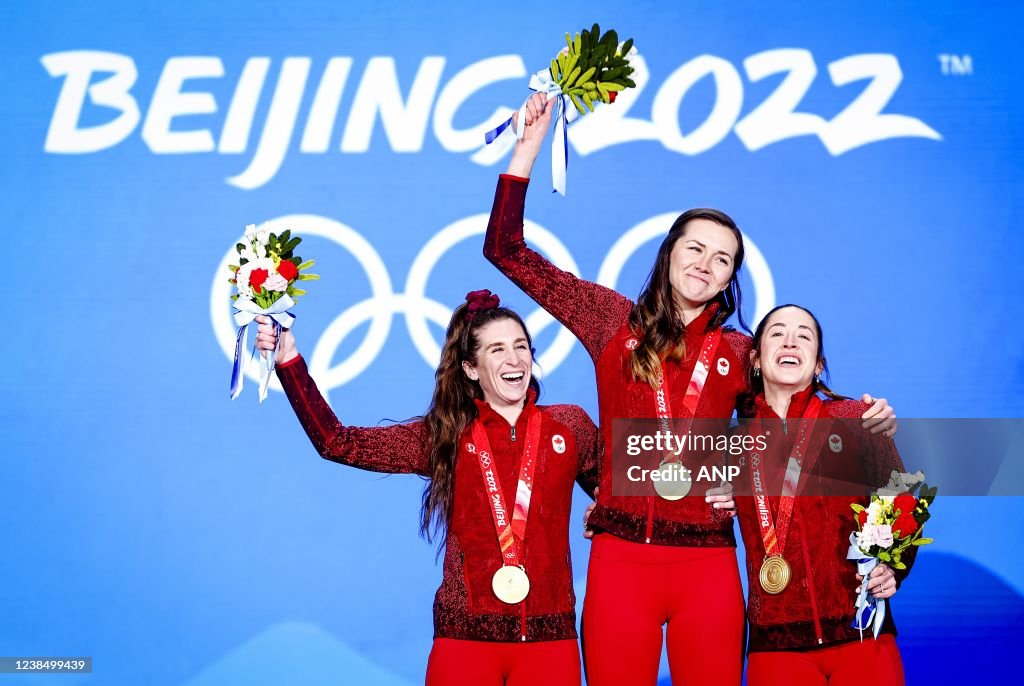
(775,574)
(672,484)
(510,584)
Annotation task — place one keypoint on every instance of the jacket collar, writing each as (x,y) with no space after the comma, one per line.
(797,404)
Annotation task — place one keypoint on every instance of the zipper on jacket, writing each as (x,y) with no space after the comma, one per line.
(784,427)
(810,582)
(522,620)
(513,434)
(650,518)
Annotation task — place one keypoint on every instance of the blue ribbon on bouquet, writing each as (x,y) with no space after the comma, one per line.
(541,82)
(245,312)
(870,611)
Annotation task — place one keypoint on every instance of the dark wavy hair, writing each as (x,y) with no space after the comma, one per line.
(655,318)
(757,383)
(452,410)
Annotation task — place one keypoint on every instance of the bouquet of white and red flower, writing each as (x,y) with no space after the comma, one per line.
(886,529)
(265,278)
(591,68)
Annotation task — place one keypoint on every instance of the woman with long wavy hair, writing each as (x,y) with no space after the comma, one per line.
(494,460)
(661,558)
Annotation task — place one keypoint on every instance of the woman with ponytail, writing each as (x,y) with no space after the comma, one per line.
(494,460)
(654,561)
(796,519)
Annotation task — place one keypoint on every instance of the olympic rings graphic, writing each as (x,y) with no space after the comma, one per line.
(419,310)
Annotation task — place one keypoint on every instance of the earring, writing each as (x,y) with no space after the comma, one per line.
(757,372)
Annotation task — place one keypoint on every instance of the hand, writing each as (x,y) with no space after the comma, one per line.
(880,417)
(588,533)
(538,121)
(266,339)
(881,582)
(721,498)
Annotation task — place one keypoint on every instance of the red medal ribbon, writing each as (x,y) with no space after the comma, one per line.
(511,530)
(774,538)
(694,389)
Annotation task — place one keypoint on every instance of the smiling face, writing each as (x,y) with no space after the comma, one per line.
(503,363)
(701,263)
(788,356)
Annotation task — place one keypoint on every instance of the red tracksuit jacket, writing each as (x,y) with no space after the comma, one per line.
(465,606)
(598,317)
(817,607)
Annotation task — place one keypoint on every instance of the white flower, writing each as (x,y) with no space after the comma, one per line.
(248,254)
(874,513)
(901,482)
(276,282)
(262,236)
(874,534)
(250,231)
(866,537)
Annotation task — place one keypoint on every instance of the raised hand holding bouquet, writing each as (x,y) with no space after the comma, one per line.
(265,279)
(592,68)
(886,529)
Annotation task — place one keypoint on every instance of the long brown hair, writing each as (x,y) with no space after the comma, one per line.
(820,386)
(452,409)
(655,318)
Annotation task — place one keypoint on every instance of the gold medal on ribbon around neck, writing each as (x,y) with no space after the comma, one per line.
(775,574)
(510,584)
(672,484)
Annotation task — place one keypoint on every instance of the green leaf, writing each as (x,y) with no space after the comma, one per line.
(233,267)
(884,556)
(234,297)
(307,264)
(924,541)
(899,565)
(290,245)
(308,277)
(858,508)
(626,47)
(240,247)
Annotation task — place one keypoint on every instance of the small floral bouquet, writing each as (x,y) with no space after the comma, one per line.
(591,68)
(265,278)
(886,528)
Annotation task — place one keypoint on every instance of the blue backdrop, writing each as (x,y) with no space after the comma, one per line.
(871,154)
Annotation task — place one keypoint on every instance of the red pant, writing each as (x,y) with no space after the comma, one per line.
(848,664)
(482,663)
(634,588)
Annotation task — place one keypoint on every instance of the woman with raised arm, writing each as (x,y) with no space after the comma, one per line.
(796,521)
(500,472)
(668,355)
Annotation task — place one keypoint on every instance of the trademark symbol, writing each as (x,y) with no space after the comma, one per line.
(956,65)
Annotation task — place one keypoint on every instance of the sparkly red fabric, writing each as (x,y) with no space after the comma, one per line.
(598,317)
(465,607)
(816,608)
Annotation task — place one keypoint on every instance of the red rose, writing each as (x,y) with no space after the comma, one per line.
(862,517)
(905,503)
(905,524)
(612,95)
(288,270)
(257,277)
